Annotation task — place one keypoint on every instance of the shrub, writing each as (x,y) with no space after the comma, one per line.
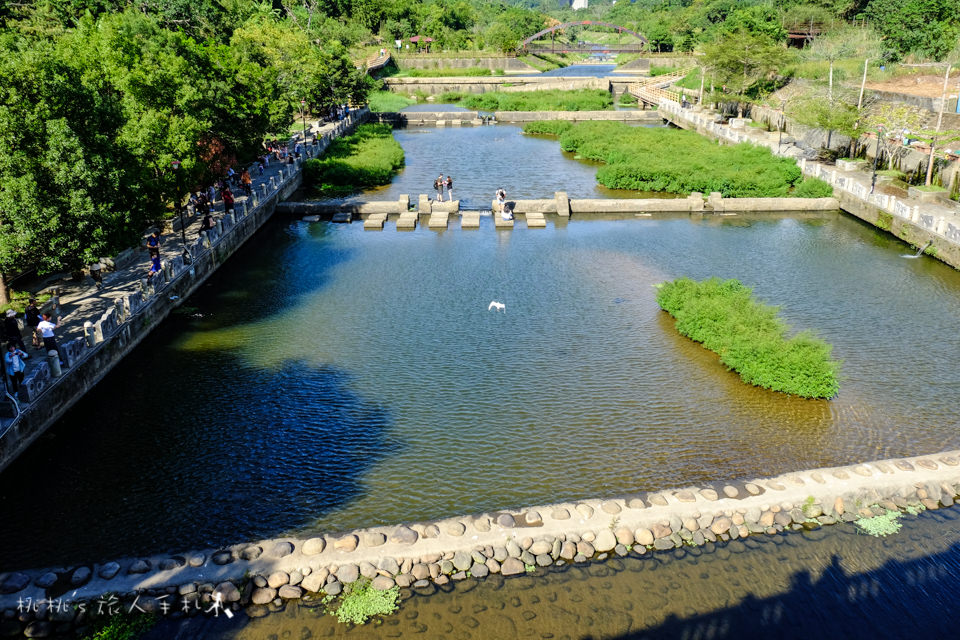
(367,158)
(387,101)
(813,188)
(673,160)
(749,337)
(120,627)
(361,601)
(547,100)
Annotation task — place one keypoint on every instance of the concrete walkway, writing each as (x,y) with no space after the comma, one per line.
(82,301)
(940,219)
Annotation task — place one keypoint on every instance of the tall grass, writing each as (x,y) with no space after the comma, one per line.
(545,100)
(381,101)
(443,73)
(673,160)
(367,158)
(749,337)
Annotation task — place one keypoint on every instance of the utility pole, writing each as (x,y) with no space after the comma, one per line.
(933,142)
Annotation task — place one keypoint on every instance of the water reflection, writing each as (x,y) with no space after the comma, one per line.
(370,360)
(831,582)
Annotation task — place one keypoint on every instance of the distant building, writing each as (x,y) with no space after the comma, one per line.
(579,4)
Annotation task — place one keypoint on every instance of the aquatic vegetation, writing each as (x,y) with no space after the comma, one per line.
(883,525)
(367,158)
(120,627)
(360,602)
(544,100)
(673,160)
(749,337)
(813,188)
(380,101)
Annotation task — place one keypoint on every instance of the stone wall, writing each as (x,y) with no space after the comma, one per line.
(899,216)
(494,63)
(471,118)
(44,398)
(694,203)
(481,84)
(418,556)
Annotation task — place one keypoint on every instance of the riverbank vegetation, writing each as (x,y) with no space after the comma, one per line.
(543,100)
(749,337)
(381,101)
(367,158)
(672,160)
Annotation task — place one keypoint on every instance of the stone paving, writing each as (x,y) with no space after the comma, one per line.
(79,302)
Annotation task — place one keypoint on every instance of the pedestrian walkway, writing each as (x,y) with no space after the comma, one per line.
(82,302)
(940,218)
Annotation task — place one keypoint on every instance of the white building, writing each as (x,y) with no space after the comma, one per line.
(579,4)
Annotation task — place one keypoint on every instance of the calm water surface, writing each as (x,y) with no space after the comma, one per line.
(330,378)
(485,158)
(830,583)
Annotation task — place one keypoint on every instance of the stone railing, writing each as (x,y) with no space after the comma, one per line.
(146,302)
(937,221)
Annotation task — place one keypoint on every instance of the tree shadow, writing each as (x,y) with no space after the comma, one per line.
(899,599)
(118,478)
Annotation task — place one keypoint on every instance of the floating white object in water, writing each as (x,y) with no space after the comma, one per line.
(497,306)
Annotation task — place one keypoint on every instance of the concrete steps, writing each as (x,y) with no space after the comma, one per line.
(375,221)
(438,220)
(407,221)
(535,220)
(470,220)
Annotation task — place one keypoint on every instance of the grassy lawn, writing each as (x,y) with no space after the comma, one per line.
(387,101)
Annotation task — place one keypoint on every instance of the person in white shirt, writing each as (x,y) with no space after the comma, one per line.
(45,329)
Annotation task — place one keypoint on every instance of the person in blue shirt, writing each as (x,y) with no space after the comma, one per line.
(14,360)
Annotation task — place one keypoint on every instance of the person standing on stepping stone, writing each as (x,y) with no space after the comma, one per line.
(501,199)
(449,185)
(438,185)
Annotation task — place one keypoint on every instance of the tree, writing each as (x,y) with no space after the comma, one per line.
(927,28)
(893,122)
(845,42)
(741,60)
(826,109)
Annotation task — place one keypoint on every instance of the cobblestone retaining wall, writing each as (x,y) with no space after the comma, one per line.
(419,556)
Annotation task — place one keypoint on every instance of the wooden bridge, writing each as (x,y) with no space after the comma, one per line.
(651,90)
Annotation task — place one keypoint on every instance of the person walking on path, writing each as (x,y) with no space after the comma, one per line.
(153,243)
(46,329)
(11,330)
(247,182)
(14,358)
(32,317)
(211,195)
(449,185)
(227,196)
(438,185)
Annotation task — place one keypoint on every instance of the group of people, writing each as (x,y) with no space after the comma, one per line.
(42,327)
(442,184)
(505,210)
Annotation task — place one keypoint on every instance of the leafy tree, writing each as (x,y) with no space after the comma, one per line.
(893,122)
(740,61)
(928,28)
(69,191)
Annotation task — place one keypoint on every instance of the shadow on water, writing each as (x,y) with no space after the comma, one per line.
(196,445)
(835,584)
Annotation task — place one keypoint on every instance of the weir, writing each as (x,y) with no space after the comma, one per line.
(508,542)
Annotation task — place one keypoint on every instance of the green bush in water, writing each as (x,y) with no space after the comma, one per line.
(813,188)
(749,337)
(544,100)
(673,160)
(367,158)
(360,602)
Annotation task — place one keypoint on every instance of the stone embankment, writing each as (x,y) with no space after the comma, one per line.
(483,84)
(509,65)
(473,118)
(417,557)
(132,308)
(916,220)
